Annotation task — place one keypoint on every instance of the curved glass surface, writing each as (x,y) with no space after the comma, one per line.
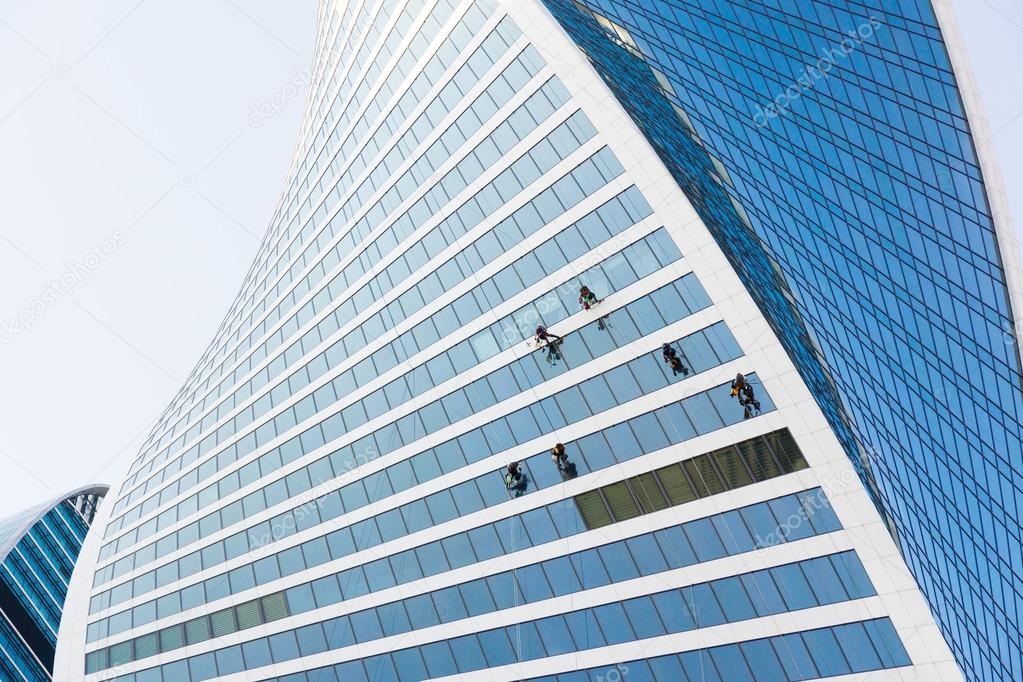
(38,550)
(825,145)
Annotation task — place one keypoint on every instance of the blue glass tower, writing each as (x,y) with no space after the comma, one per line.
(826,146)
(666,339)
(38,551)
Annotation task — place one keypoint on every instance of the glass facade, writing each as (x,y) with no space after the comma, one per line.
(843,650)
(381,468)
(38,551)
(825,145)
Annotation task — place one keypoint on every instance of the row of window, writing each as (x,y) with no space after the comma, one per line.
(274,240)
(341,110)
(482,108)
(813,654)
(735,532)
(636,319)
(897,271)
(527,423)
(34,577)
(17,661)
(519,428)
(590,174)
(848,649)
(259,611)
(555,200)
(790,587)
(598,226)
(274,243)
(524,120)
(615,272)
(37,569)
(333,155)
(759,459)
(56,536)
(751,461)
(274,236)
(36,586)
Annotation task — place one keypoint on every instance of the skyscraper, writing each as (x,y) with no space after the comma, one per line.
(789,410)
(38,550)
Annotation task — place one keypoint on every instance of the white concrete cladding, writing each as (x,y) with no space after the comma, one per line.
(361,45)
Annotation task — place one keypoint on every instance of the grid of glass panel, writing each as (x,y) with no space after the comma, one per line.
(593,340)
(600,225)
(16,658)
(750,461)
(825,145)
(672,424)
(855,647)
(552,149)
(813,654)
(513,79)
(34,578)
(735,532)
(414,189)
(434,75)
(635,261)
(791,587)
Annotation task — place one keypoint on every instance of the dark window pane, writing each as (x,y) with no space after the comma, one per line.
(731,664)
(618,561)
(732,468)
(764,594)
(593,510)
(470,653)
(704,477)
(674,611)
(676,484)
(675,547)
(619,498)
(648,493)
(704,540)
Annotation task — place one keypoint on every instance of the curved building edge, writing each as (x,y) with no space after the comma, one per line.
(8,543)
(26,649)
(1008,240)
(71,636)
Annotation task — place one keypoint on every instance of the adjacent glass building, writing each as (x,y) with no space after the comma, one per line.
(788,191)
(38,551)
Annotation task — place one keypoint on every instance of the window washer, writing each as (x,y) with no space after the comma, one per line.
(674,361)
(551,341)
(743,391)
(748,401)
(737,384)
(587,298)
(544,336)
(513,475)
(559,456)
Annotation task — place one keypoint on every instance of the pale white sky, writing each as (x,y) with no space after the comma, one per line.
(133,176)
(132,171)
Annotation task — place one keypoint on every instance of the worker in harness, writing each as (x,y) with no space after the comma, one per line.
(550,341)
(671,357)
(587,298)
(743,391)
